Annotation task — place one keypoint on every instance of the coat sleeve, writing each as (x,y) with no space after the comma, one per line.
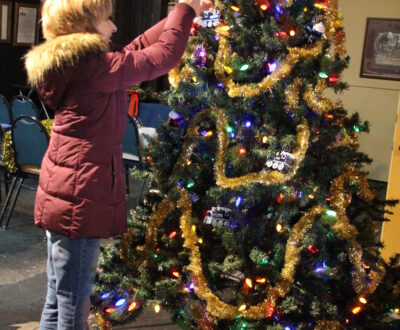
(149,56)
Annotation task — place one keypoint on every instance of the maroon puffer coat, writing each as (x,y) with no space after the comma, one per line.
(81,187)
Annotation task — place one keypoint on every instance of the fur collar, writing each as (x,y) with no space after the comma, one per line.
(61,52)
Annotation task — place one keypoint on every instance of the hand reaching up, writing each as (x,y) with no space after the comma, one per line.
(199,6)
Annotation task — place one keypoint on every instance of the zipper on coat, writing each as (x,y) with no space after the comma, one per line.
(112,173)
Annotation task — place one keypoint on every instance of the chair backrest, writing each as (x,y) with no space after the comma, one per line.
(23,106)
(153,114)
(130,143)
(5,117)
(30,141)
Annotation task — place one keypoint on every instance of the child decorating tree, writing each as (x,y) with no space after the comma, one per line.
(80,197)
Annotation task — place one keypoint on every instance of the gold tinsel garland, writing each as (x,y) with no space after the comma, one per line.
(7,149)
(340,200)
(254,89)
(335,32)
(155,222)
(263,177)
(315,99)
(335,29)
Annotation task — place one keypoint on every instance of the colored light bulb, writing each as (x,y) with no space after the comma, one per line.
(238,201)
(242,308)
(104,296)
(109,310)
(331,213)
(249,282)
(173,234)
(272,66)
(120,302)
(362,300)
(132,306)
(175,273)
(228,69)
(356,310)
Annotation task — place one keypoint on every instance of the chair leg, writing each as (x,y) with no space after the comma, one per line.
(127,180)
(8,197)
(10,211)
(141,191)
(6,178)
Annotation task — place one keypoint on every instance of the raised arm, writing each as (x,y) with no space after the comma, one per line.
(136,62)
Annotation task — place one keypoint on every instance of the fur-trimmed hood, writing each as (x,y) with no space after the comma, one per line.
(60,53)
(50,65)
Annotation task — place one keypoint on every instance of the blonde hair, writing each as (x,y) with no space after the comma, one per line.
(61,17)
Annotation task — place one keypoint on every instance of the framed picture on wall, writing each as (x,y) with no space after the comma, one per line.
(26,24)
(5,21)
(381,53)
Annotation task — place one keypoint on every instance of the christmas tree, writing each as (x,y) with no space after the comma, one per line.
(259,215)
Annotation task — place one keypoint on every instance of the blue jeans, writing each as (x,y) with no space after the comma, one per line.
(71,269)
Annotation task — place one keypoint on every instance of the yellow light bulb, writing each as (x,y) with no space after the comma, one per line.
(249,282)
(200,241)
(356,310)
(132,306)
(228,69)
(265,139)
(157,308)
(242,308)
(235,8)
(194,228)
(279,228)
(362,300)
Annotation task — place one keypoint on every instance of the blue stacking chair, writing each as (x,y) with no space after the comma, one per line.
(130,147)
(5,124)
(23,106)
(149,115)
(30,142)
(153,114)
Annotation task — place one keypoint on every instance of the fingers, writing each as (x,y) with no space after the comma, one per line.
(206,5)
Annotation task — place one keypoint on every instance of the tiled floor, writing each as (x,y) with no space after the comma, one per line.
(23,273)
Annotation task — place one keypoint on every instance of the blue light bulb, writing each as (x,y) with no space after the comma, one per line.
(238,201)
(104,296)
(120,302)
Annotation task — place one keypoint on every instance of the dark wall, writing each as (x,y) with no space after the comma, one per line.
(131,16)
(11,63)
